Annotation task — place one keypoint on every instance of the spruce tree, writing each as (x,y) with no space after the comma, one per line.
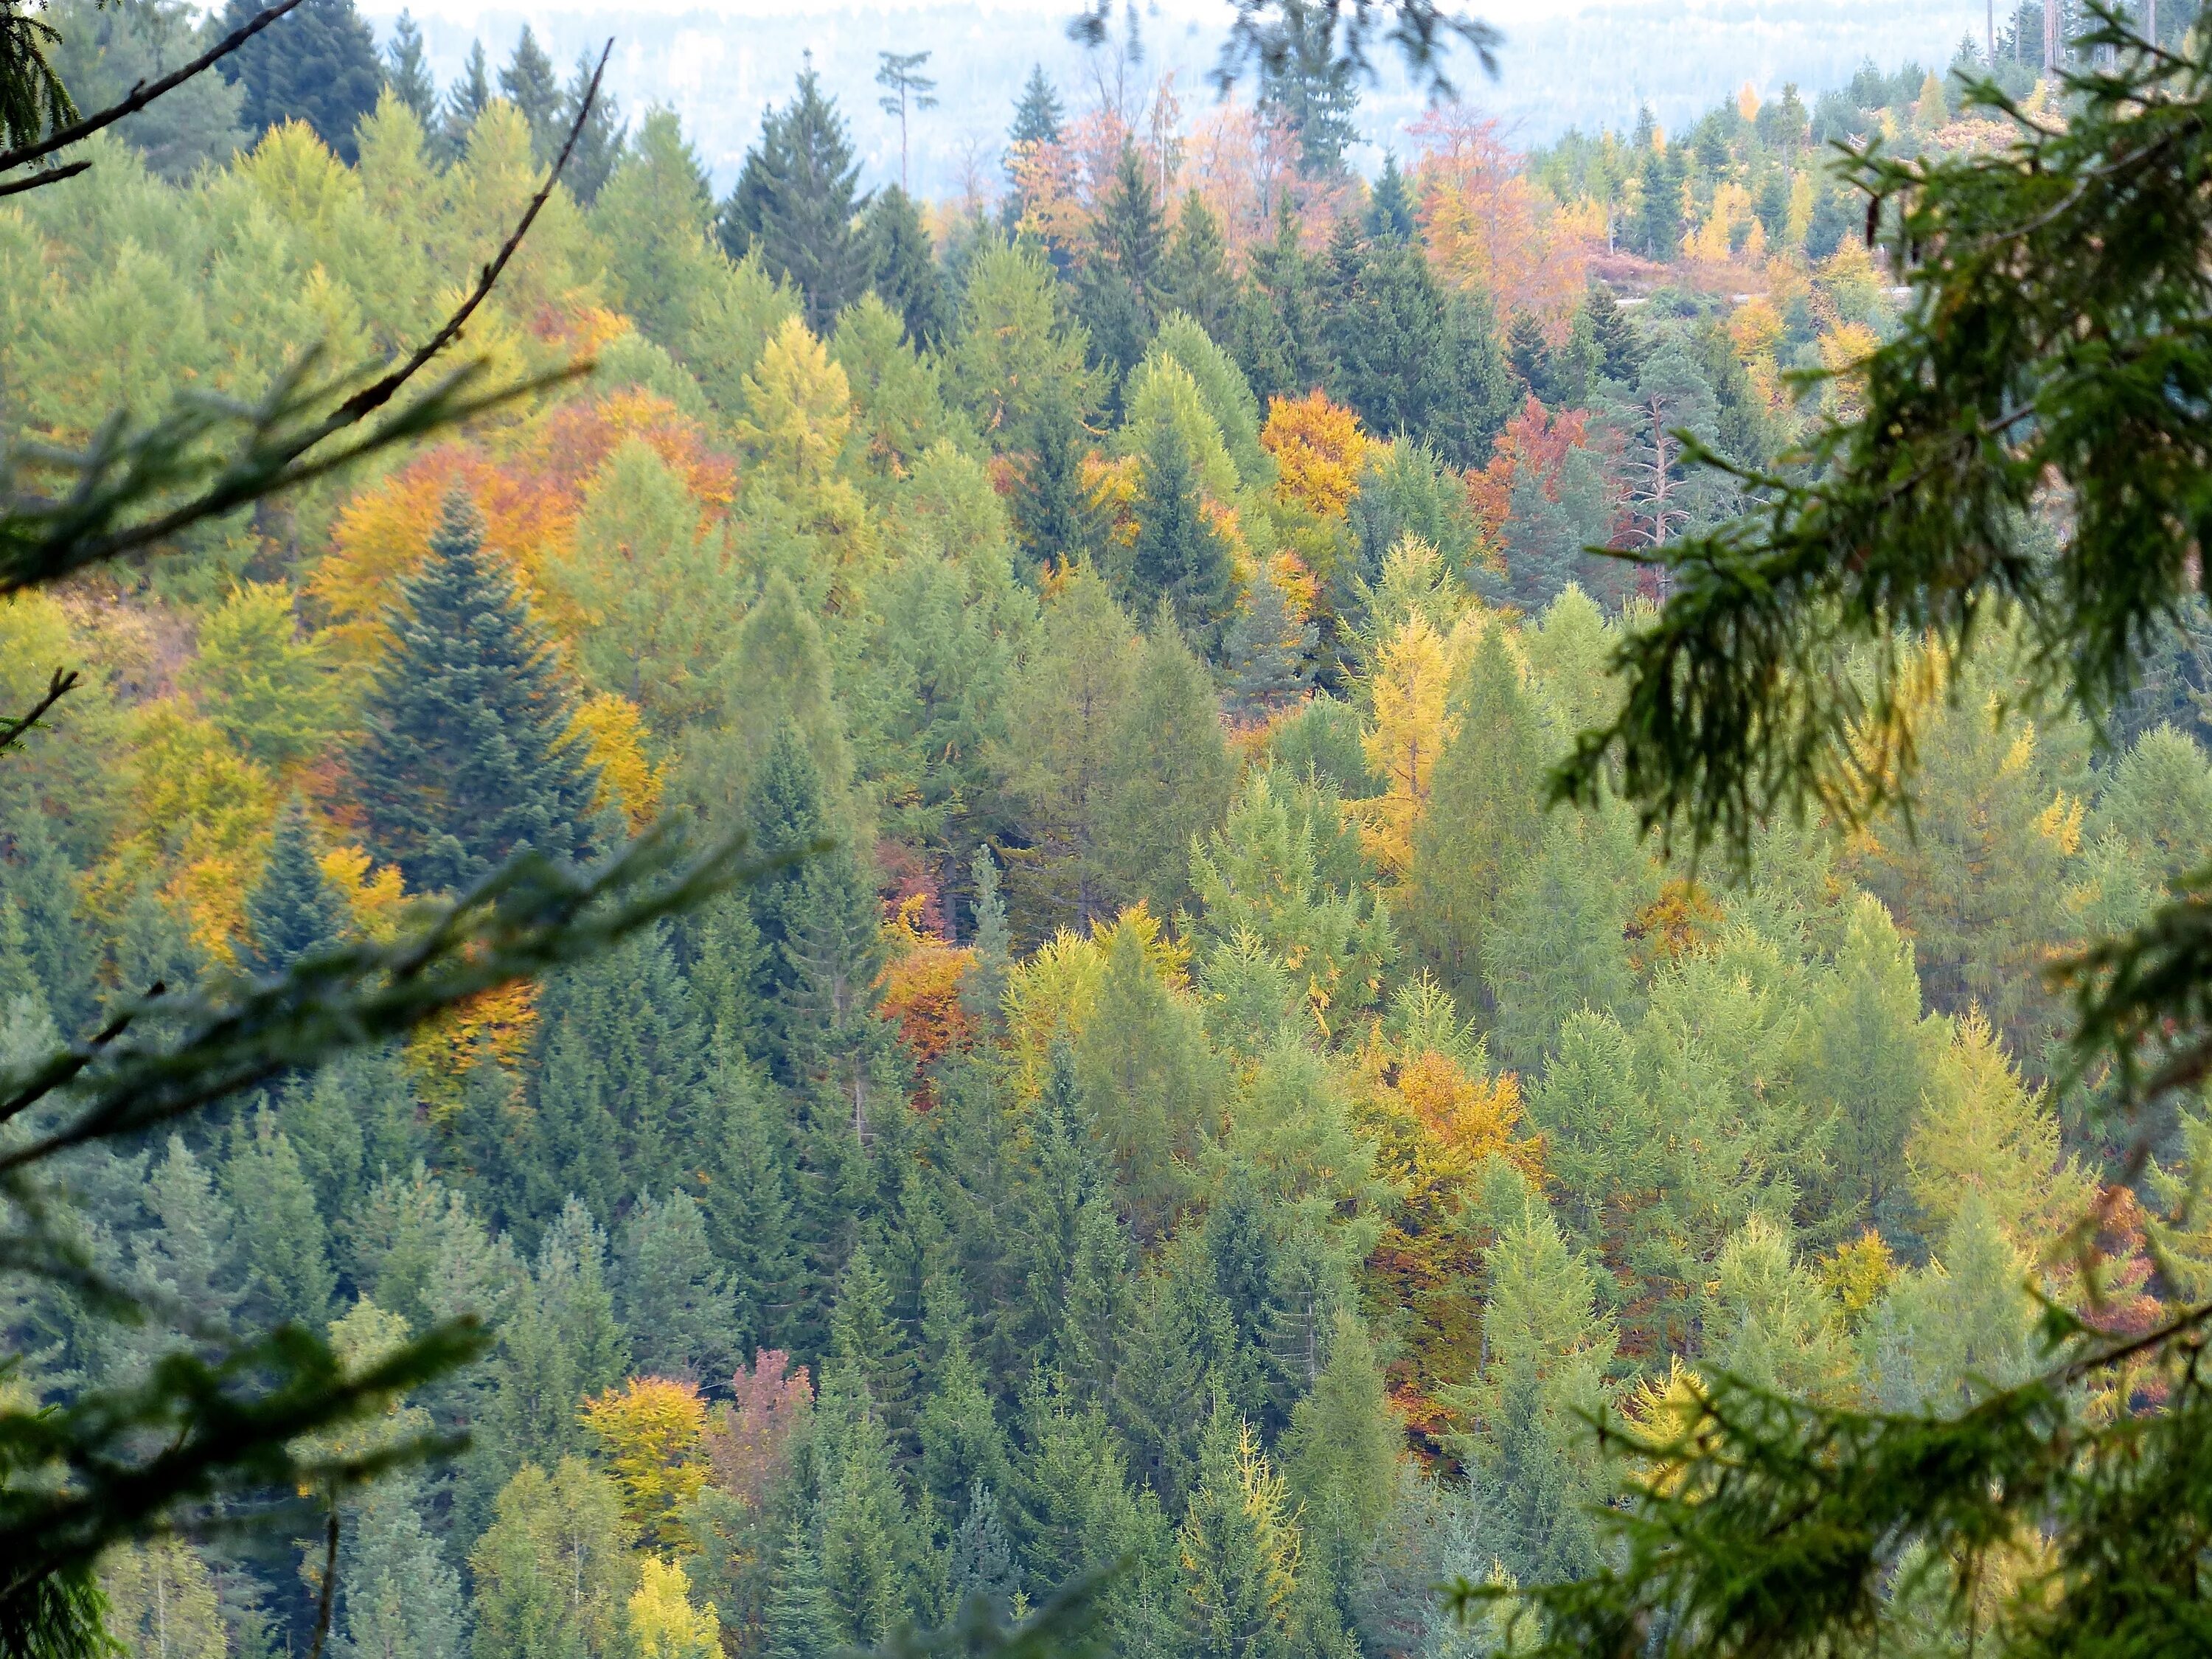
(794,202)
(1120,288)
(800,1622)
(1053,518)
(1268,653)
(407,71)
(1620,352)
(1037,119)
(283,1242)
(528,83)
(317,65)
(1196,279)
(470,757)
(1390,203)
(465,99)
(292,909)
(672,1294)
(903,267)
(979,1560)
(1311,87)
(37,879)
(750,1210)
(1280,335)
(1178,557)
(601,140)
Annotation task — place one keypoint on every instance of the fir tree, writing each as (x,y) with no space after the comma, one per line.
(1037,119)
(671,1293)
(528,83)
(407,71)
(469,758)
(868,1349)
(983,989)
(801,1622)
(38,880)
(465,99)
(1178,557)
(1119,289)
(575,1140)
(750,1211)
(1239,1545)
(282,1241)
(1054,518)
(1620,352)
(1307,83)
(980,1560)
(1531,354)
(318,66)
(1281,337)
(399,1596)
(1269,654)
(1196,279)
(600,141)
(1656,231)
(292,909)
(903,268)
(1390,203)
(793,203)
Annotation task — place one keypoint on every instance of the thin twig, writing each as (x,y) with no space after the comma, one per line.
(63,681)
(39,180)
(146,91)
(375,396)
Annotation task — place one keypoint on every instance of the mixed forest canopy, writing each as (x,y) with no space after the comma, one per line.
(1195,1114)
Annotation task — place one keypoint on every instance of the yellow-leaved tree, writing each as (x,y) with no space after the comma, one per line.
(650,1432)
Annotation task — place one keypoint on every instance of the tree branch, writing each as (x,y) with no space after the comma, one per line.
(63,681)
(145,92)
(48,176)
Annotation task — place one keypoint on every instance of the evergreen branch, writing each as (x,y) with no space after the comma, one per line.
(145,92)
(530,917)
(47,176)
(63,681)
(216,1433)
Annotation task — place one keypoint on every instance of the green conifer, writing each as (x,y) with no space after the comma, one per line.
(1178,556)
(407,71)
(1053,518)
(794,202)
(282,1240)
(903,267)
(672,1294)
(292,909)
(599,142)
(800,1622)
(470,757)
(528,83)
(319,65)
(466,99)
(1390,203)
(1268,653)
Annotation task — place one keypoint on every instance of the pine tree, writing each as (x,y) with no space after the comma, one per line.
(1053,518)
(903,267)
(1178,556)
(1269,654)
(469,758)
(407,71)
(292,909)
(794,202)
(466,99)
(528,83)
(319,65)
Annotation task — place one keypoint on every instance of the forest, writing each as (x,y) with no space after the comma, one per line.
(1188,1109)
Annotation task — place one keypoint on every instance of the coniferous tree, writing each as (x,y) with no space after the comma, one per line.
(1054,518)
(407,71)
(1196,279)
(979,1560)
(800,1621)
(466,99)
(672,1294)
(528,82)
(1239,1546)
(794,203)
(1281,335)
(400,1595)
(1178,557)
(1310,87)
(470,757)
(1620,352)
(1037,119)
(599,142)
(1121,286)
(1268,653)
(292,909)
(283,1242)
(318,66)
(1390,204)
(903,267)
(750,1212)
(45,889)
